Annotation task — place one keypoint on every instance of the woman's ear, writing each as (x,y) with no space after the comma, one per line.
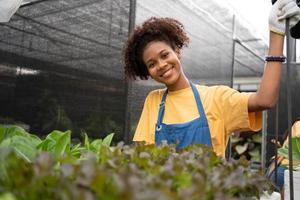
(178,53)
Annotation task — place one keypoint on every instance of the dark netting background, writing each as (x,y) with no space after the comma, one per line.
(210,55)
(60,67)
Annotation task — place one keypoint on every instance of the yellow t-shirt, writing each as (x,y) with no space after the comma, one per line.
(226,110)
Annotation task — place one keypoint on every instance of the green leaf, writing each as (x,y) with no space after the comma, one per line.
(183,180)
(107,140)
(96,145)
(2,133)
(54,135)
(76,150)
(296,148)
(257,138)
(11,131)
(235,139)
(7,196)
(49,143)
(46,145)
(24,146)
(254,153)
(241,148)
(57,143)
(283,151)
(35,139)
(62,144)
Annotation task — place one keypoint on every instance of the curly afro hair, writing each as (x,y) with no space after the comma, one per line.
(166,29)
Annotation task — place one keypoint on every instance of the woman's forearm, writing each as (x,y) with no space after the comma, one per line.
(267,94)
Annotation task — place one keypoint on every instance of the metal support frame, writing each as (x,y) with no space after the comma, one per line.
(128,86)
(228,147)
(289,107)
(264,139)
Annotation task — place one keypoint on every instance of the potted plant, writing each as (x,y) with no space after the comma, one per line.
(296,167)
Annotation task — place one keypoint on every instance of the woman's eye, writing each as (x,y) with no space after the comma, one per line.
(151,65)
(165,55)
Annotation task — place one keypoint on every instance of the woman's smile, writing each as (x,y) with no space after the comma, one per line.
(167,73)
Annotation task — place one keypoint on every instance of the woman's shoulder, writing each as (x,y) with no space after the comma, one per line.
(213,88)
(216,92)
(155,94)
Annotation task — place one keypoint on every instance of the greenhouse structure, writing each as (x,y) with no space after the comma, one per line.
(61,69)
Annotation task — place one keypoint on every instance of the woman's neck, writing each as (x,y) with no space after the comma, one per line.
(182,83)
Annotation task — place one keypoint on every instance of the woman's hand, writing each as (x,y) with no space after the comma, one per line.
(280,11)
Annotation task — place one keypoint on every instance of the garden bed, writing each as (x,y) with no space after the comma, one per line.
(95,170)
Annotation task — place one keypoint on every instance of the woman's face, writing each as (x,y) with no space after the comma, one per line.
(163,63)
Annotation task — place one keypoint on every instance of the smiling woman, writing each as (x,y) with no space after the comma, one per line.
(178,114)
(185,113)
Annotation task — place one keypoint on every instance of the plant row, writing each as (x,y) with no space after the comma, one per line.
(53,168)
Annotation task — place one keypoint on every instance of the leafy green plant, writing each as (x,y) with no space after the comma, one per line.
(246,145)
(97,143)
(57,143)
(22,142)
(284,151)
(54,168)
(130,172)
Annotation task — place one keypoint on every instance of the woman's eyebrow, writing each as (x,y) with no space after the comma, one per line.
(150,59)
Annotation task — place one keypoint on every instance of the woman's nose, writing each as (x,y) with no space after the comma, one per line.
(161,64)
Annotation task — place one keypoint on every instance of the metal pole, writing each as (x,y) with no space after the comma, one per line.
(228,148)
(234,39)
(264,140)
(289,108)
(128,83)
(276,139)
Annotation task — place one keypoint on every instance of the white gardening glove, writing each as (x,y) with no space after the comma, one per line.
(8,8)
(280,11)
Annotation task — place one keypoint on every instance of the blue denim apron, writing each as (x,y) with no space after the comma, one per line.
(192,132)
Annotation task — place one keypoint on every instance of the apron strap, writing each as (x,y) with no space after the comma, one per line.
(163,101)
(161,111)
(198,101)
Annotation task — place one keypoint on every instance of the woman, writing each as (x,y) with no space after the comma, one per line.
(185,113)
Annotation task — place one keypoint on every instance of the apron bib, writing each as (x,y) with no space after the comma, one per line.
(184,134)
